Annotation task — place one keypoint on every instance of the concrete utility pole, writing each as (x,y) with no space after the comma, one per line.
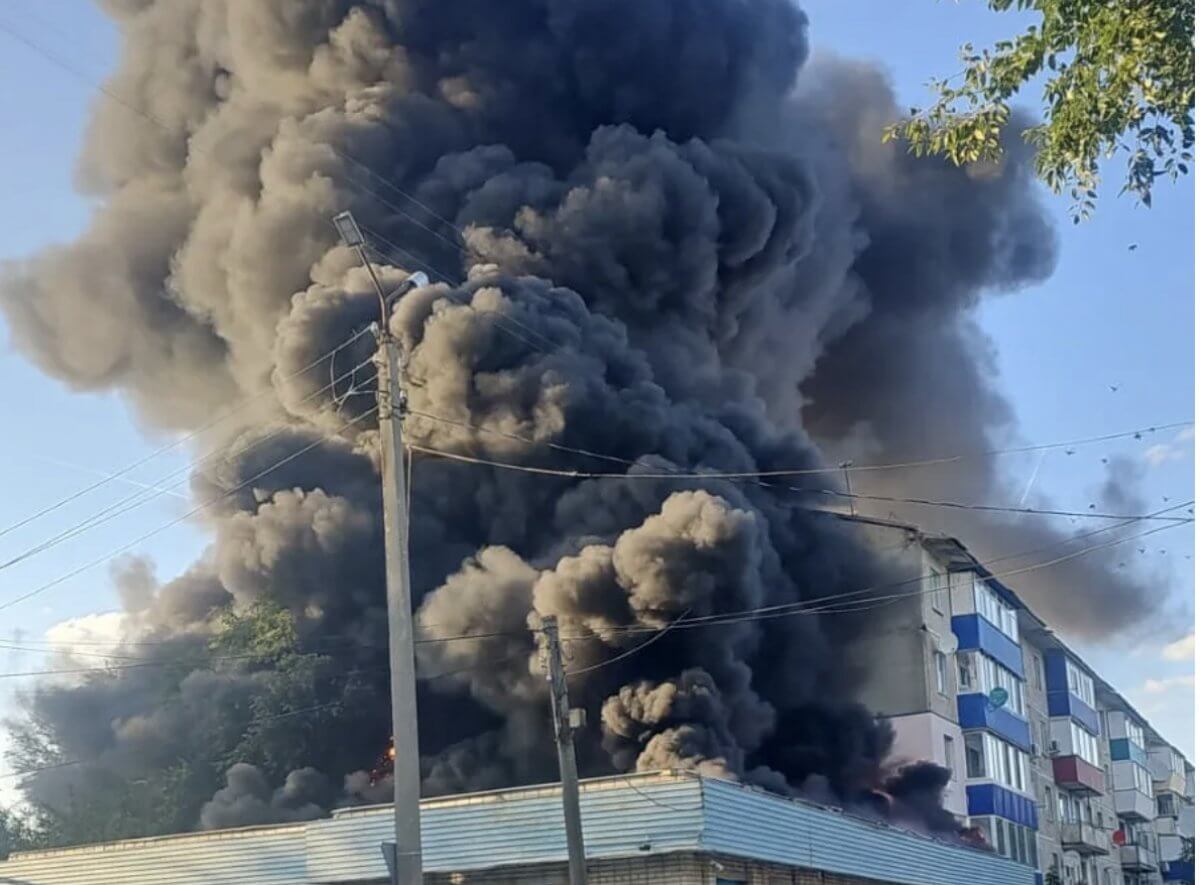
(564,735)
(404,856)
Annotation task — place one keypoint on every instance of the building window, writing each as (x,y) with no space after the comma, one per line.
(1166,805)
(994,759)
(998,613)
(1135,734)
(1142,781)
(937,582)
(948,749)
(975,758)
(964,672)
(939,668)
(1083,744)
(993,675)
(1044,729)
(1037,671)
(1080,685)
(1048,804)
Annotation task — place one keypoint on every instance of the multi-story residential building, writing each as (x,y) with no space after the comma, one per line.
(1174,784)
(1061,772)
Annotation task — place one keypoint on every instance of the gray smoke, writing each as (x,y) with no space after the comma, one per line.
(681,250)
(246,799)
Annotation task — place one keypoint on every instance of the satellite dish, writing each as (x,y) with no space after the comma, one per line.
(948,645)
(1118,837)
(997,698)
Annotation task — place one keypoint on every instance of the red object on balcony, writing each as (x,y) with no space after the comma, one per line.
(1076,773)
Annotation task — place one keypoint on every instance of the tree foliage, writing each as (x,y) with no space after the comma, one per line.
(1119,77)
(279,713)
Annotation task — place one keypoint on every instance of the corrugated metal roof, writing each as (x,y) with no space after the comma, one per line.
(271,855)
(620,815)
(748,823)
(624,816)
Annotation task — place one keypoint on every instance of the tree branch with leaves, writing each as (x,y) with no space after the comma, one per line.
(1119,79)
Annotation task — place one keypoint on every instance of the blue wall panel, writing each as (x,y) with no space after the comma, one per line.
(975,712)
(1063,703)
(976,632)
(993,799)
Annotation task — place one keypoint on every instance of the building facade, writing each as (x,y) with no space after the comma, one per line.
(1057,770)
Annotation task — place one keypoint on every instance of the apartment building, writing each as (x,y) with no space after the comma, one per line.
(1057,770)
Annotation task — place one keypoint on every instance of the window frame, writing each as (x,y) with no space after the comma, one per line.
(940,674)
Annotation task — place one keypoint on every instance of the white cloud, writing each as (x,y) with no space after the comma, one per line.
(89,635)
(1178,449)
(1162,686)
(1181,649)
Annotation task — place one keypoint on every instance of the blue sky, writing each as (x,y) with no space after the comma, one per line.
(1109,316)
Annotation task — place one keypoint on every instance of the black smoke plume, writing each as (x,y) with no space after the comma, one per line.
(681,248)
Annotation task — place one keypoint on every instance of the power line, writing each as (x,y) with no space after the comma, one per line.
(502,320)
(632,651)
(811,471)
(131,502)
(192,145)
(806,606)
(751,475)
(230,411)
(832,604)
(227,493)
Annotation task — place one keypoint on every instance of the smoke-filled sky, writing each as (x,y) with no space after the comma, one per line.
(1107,316)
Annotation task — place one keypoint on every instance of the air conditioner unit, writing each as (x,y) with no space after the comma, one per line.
(1053,751)
(1034,751)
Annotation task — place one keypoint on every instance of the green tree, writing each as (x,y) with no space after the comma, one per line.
(1119,77)
(281,713)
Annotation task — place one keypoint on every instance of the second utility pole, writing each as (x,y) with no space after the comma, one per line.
(564,736)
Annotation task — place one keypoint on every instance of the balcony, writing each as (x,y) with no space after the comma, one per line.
(1123,749)
(974,711)
(1168,825)
(1135,805)
(1174,782)
(993,799)
(1137,857)
(974,631)
(1178,871)
(1063,703)
(1078,775)
(1084,838)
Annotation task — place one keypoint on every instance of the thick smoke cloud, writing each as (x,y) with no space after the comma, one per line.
(680,250)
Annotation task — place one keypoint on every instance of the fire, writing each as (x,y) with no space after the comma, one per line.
(385,763)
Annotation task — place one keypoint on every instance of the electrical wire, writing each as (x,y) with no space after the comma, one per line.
(839,603)
(813,471)
(229,412)
(374,194)
(204,505)
(501,319)
(131,502)
(750,475)
(811,606)
(632,651)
